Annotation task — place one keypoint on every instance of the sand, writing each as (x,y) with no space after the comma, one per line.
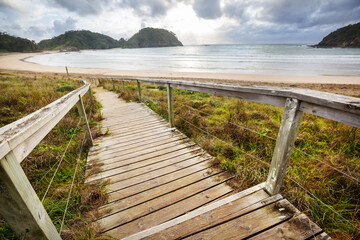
(15,61)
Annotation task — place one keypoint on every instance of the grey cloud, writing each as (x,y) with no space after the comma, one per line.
(153,8)
(208,9)
(309,13)
(62,26)
(83,7)
(237,10)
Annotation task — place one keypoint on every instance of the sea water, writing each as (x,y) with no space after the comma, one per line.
(284,59)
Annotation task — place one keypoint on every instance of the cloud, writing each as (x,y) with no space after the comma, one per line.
(13,4)
(151,8)
(309,13)
(62,26)
(208,9)
(83,7)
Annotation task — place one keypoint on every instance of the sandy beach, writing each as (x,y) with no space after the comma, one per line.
(347,85)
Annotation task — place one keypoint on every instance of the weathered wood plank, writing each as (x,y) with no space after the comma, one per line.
(152,179)
(219,215)
(116,157)
(19,204)
(290,124)
(130,148)
(139,141)
(158,216)
(151,164)
(141,197)
(299,227)
(250,224)
(156,204)
(153,157)
(195,213)
(170,98)
(139,90)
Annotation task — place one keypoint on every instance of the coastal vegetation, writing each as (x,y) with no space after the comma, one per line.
(10,43)
(241,136)
(23,94)
(83,39)
(76,40)
(345,37)
(153,37)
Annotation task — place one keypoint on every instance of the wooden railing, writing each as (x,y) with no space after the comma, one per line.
(295,101)
(19,204)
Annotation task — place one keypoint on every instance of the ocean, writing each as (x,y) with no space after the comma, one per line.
(284,59)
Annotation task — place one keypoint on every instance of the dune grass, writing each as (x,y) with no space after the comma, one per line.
(241,135)
(24,94)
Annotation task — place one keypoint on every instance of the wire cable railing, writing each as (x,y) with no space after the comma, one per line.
(301,151)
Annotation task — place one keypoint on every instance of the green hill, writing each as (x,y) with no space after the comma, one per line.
(16,44)
(346,37)
(83,39)
(152,37)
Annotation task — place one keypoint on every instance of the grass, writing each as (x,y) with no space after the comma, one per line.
(24,94)
(241,136)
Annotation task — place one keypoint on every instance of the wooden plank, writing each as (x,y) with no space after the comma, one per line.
(19,204)
(139,90)
(299,227)
(127,130)
(120,167)
(146,122)
(123,150)
(322,236)
(153,156)
(147,164)
(136,140)
(217,216)
(155,204)
(332,114)
(138,150)
(141,197)
(116,157)
(140,167)
(289,127)
(170,98)
(110,138)
(251,223)
(152,179)
(126,122)
(196,213)
(158,216)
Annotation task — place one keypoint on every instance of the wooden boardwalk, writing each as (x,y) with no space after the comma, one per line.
(160,185)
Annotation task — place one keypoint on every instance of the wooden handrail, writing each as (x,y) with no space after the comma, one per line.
(24,134)
(19,204)
(295,101)
(332,106)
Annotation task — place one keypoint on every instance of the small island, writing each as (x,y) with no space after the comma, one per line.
(345,37)
(84,39)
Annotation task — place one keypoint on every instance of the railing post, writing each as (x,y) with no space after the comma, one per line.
(170,97)
(139,89)
(284,144)
(19,204)
(91,96)
(81,109)
(123,85)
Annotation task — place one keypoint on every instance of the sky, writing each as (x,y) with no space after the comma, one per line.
(193,21)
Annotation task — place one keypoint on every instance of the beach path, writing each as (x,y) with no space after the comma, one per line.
(161,185)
